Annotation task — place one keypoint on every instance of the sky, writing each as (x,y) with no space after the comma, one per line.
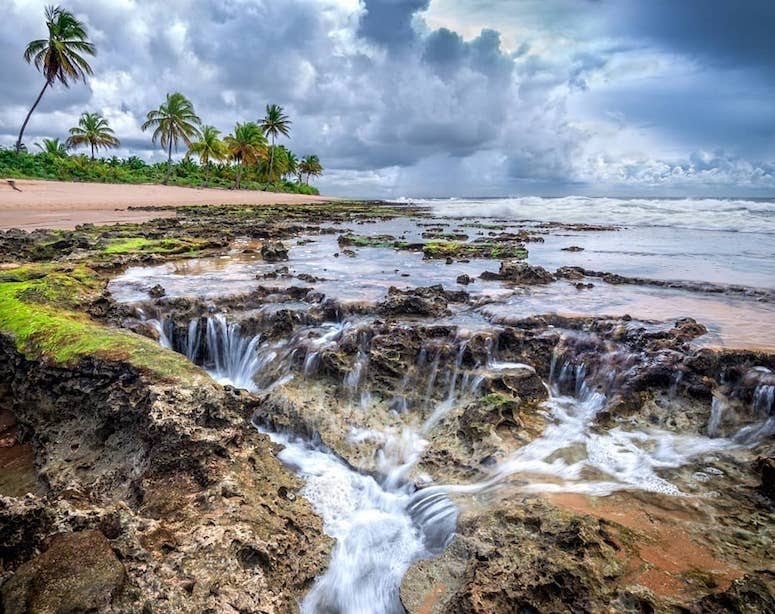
(439,97)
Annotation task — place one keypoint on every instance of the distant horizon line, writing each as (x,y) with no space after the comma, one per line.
(630,197)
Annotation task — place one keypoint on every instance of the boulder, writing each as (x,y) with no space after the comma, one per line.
(520,273)
(77,573)
(274,251)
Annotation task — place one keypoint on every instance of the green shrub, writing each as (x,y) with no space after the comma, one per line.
(133,170)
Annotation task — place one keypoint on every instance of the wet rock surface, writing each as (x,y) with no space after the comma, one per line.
(274,251)
(77,572)
(520,273)
(169,476)
(174,502)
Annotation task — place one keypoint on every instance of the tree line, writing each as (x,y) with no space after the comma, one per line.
(251,147)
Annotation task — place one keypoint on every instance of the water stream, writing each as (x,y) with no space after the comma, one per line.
(381,522)
(380,519)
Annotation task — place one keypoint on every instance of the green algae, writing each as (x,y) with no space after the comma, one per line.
(461,249)
(383,241)
(142,245)
(42,309)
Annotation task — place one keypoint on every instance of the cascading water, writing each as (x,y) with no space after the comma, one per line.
(762,408)
(612,460)
(382,523)
(381,526)
(232,357)
(380,531)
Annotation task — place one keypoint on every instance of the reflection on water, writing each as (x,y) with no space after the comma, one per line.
(731,322)
(714,255)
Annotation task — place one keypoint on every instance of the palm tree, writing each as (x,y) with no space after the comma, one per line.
(60,56)
(208,147)
(292,164)
(311,167)
(275,123)
(246,146)
(92,130)
(174,121)
(53,147)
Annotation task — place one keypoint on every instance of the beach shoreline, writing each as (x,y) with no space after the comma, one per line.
(64,204)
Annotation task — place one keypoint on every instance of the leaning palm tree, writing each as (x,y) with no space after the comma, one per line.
(208,147)
(246,146)
(275,123)
(174,121)
(53,147)
(92,130)
(60,57)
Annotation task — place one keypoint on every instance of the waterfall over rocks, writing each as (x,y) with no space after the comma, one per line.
(381,522)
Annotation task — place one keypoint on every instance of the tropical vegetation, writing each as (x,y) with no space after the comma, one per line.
(174,121)
(60,57)
(134,170)
(249,157)
(209,148)
(53,147)
(274,124)
(92,130)
(246,146)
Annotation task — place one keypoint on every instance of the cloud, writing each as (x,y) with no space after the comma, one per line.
(389,22)
(437,96)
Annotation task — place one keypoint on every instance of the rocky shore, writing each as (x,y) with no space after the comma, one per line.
(132,481)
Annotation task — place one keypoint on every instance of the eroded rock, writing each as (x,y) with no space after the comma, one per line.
(274,251)
(520,273)
(78,572)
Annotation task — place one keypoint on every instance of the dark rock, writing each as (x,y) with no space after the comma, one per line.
(573,273)
(520,273)
(77,573)
(573,248)
(410,302)
(748,594)
(765,467)
(310,279)
(274,251)
(22,520)
(464,279)
(157,291)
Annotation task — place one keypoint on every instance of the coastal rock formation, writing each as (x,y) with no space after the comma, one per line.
(274,251)
(520,273)
(169,475)
(430,301)
(154,478)
(77,572)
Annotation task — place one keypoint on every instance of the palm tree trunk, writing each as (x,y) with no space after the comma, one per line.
(239,173)
(27,119)
(169,165)
(271,158)
(207,175)
(92,150)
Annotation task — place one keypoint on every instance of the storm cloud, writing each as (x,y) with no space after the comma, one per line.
(440,97)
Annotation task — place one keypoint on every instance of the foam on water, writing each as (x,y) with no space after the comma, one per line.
(381,523)
(735,215)
(380,527)
(578,458)
(376,540)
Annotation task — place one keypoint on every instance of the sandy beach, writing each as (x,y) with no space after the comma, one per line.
(59,204)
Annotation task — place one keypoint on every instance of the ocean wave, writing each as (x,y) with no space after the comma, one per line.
(750,216)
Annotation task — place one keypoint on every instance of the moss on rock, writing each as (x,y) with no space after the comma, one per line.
(484,249)
(42,309)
